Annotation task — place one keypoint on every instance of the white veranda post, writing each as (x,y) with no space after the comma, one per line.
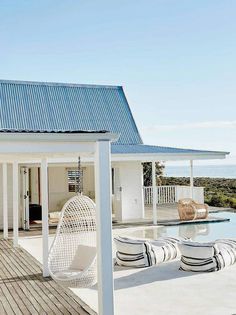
(15,203)
(4,200)
(104,228)
(44,199)
(191,178)
(154,193)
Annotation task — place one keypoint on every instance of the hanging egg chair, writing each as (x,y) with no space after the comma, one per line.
(72,260)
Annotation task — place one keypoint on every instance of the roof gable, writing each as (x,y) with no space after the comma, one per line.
(56,106)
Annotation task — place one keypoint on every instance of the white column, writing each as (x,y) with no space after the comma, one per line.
(15,204)
(191,178)
(154,193)
(4,200)
(104,228)
(44,200)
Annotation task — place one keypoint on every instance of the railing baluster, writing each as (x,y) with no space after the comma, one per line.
(168,194)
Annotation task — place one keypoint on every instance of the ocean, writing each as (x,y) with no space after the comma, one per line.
(215,171)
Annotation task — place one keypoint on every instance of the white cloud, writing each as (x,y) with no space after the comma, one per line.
(193,125)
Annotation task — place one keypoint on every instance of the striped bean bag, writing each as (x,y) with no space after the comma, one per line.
(144,253)
(207,257)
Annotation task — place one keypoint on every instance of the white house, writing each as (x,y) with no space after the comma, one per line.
(39,107)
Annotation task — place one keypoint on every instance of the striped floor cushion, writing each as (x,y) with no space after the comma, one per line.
(144,253)
(207,257)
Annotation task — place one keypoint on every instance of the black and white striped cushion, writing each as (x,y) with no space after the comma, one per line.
(134,252)
(144,253)
(207,257)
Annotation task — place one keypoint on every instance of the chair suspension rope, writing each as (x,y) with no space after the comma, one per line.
(79,179)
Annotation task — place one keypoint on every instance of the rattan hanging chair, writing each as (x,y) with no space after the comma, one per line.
(72,258)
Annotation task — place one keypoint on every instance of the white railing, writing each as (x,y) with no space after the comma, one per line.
(172,194)
(165,194)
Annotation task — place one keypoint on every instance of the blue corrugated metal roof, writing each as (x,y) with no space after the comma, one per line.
(56,106)
(151,149)
(40,106)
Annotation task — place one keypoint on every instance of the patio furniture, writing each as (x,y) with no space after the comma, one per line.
(207,257)
(141,253)
(72,257)
(190,210)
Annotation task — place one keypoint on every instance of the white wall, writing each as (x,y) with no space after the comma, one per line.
(185,192)
(58,186)
(130,205)
(35,185)
(131,194)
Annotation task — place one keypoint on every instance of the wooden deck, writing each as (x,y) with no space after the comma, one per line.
(23,290)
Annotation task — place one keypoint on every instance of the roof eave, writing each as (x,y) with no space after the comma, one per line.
(58,137)
(147,157)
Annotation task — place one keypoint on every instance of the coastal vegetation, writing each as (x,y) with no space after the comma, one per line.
(219,192)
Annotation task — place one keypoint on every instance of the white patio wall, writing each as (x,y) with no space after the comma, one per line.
(185,192)
(128,200)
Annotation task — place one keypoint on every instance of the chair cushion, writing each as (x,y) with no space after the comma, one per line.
(207,257)
(134,252)
(201,210)
(145,253)
(67,274)
(83,257)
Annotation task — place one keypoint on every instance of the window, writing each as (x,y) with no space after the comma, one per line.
(73,175)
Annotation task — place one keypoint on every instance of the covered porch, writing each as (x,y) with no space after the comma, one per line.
(131,198)
(20,148)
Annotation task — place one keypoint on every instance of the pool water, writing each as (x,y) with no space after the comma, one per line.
(198,232)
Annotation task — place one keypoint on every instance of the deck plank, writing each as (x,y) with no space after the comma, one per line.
(60,293)
(24,291)
(63,293)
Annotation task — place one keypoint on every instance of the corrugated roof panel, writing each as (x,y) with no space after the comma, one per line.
(55,106)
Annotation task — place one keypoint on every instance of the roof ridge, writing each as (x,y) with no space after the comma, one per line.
(61,84)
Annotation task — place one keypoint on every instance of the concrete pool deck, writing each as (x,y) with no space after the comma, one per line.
(161,289)
(167,215)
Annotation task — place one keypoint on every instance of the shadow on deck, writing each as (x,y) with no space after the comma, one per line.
(23,289)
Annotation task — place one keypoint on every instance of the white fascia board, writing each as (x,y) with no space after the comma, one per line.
(131,157)
(168,157)
(41,148)
(31,146)
(57,137)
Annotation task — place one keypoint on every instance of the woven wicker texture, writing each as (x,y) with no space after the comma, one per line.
(77,226)
(190,210)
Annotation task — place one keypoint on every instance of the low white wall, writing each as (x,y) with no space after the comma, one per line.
(128,191)
(185,192)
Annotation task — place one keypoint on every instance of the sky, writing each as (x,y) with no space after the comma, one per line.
(176,60)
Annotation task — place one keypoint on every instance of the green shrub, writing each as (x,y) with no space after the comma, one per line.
(217,201)
(219,192)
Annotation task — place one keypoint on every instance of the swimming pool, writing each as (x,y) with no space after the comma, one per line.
(197,232)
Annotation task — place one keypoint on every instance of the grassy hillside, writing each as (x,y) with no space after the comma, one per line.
(219,192)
